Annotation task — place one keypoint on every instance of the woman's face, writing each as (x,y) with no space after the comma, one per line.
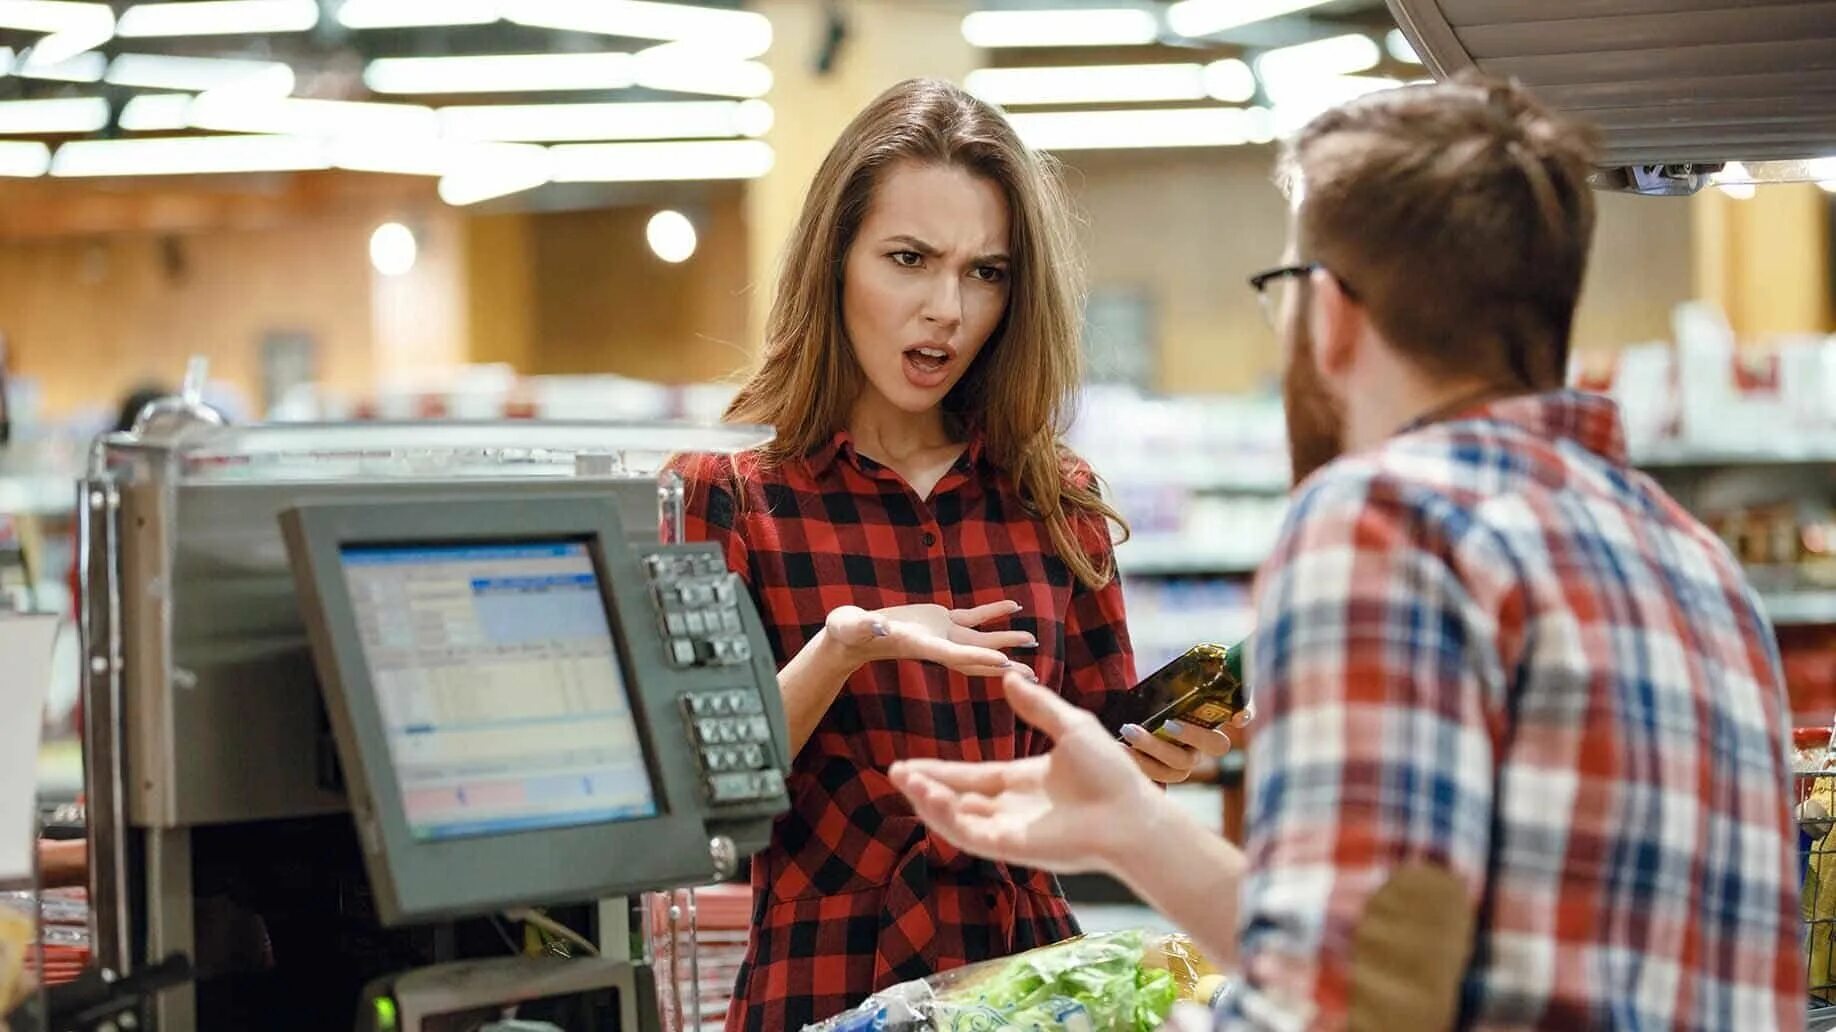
(925,281)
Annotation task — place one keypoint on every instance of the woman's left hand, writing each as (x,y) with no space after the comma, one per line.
(1171,762)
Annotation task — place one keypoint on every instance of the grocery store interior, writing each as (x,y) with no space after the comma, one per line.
(534,212)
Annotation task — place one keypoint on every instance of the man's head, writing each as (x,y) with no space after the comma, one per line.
(1450,224)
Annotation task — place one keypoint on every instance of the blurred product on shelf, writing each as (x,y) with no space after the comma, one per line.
(1166,616)
(1709,396)
(65,932)
(497,392)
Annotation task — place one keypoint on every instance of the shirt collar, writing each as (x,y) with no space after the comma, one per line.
(1589,420)
(840,448)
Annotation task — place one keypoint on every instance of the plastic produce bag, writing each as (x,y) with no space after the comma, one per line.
(1118,982)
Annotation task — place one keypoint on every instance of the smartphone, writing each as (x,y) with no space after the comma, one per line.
(1203,688)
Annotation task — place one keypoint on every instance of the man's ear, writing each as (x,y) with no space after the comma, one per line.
(1338,324)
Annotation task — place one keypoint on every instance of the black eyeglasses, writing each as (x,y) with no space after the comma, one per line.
(1271,300)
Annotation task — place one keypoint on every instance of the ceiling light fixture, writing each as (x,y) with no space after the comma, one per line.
(1205,17)
(692,68)
(156,113)
(70,27)
(85,67)
(1348,54)
(224,111)
(671,236)
(1131,129)
(24,160)
(569,123)
(218,18)
(735,34)
(1087,84)
(416,14)
(196,74)
(54,116)
(1062,27)
(1400,48)
(499,73)
(193,155)
(640,162)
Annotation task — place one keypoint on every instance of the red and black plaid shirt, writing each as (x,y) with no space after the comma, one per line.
(853,895)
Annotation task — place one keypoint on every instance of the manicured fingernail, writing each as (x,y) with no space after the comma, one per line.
(878,627)
(1134,732)
(1023,670)
(1031,643)
(1173,727)
(1017,606)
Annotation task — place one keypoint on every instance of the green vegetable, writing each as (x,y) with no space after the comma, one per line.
(1095,984)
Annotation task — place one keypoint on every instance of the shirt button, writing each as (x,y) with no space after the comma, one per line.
(930,539)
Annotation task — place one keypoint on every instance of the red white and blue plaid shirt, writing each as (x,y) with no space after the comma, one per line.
(1492,648)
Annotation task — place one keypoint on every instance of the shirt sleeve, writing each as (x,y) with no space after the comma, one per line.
(1376,682)
(1099,658)
(710,502)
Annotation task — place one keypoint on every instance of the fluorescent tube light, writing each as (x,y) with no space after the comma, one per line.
(23,159)
(156,113)
(197,74)
(415,14)
(692,68)
(635,162)
(559,123)
(218,18)
(734,33)
(1087,84)
(1204,17)
(59,115)
(188,155)
(1062,27)
(1128,129)
(1337,55)
(499,73)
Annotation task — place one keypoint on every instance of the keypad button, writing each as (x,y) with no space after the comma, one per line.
(769,784)
(697,622)
(724,592)
(682,650)
(708,730)
(677,623)
(752,756)
(720,704)
(738,702)
(730,621)
(739,649)
(758,729)
(700,704)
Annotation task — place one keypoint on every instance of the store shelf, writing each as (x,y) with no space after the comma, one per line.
(1788,449)
(1157,557)
(1800,608)
(1258,478)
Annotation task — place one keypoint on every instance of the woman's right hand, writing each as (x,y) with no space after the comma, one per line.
(932,634)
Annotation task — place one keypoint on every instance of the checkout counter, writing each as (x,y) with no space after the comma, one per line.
(354,693)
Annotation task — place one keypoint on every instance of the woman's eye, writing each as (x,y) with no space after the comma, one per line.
(990,273)
(909,259)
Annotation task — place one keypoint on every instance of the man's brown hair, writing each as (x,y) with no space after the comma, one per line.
(1460,216)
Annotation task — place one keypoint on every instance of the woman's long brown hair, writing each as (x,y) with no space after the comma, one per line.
(1021,390)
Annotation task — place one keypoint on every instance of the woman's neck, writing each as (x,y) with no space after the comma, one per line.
(890,434)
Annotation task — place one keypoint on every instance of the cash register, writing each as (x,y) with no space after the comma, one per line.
(378,717)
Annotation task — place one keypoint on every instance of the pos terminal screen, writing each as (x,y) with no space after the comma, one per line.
(499,686)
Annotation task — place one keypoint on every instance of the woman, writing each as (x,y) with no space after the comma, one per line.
(916,514)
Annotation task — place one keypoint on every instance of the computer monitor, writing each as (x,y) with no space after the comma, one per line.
(515,720)
(499,686)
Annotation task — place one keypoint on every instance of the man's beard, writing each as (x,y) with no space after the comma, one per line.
(1316,421)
